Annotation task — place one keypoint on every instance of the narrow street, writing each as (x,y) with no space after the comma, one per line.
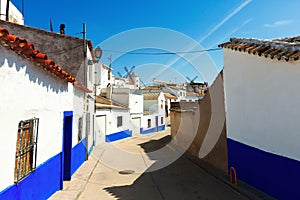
(127,174)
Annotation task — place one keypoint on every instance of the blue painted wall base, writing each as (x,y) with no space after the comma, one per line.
(152,130)
(146,131)
(40,184)
(275,175)
(78,155)
(118,136)
(161,128)
(46,179)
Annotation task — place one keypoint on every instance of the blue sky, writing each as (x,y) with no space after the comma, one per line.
(208,22)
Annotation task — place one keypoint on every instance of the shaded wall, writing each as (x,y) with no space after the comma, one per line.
(66,51)
(200,126)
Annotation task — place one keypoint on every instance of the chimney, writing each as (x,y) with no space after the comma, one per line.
(62,29)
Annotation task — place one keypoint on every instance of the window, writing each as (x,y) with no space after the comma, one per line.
(79,129)
(108,75)
(161,120)
(87,124)
(119,121)
(149,123)
(25,161)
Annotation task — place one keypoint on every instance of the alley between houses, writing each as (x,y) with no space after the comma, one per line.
(105,176)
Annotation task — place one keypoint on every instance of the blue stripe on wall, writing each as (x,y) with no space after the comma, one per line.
(161,128)
(152,130)
(118,136)
(275,175)
(40,184)
(46,179)
(78,155)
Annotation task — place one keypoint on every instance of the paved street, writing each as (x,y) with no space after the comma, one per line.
(135,168)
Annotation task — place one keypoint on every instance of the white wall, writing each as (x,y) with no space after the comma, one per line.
(151,106)
(156,106)
(14,14)
(144,121)
(101,77)
(122,99)
(136,104)
(262,102)
(90,104)
(27,92)
(161,104)
(78,112)
(111,120)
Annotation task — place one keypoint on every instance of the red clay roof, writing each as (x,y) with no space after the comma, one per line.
(170,96)
(281,49)
(26,50)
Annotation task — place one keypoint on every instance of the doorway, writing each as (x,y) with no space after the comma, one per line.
(67,145)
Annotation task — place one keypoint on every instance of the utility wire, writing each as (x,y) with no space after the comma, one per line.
(161,53)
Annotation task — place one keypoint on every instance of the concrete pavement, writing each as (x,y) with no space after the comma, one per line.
(160,171)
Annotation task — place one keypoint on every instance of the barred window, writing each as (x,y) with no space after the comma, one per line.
(25,161)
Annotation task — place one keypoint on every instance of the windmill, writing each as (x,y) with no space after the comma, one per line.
(120,75)
(129,74)
(192,86)
(192,80)
(142,82)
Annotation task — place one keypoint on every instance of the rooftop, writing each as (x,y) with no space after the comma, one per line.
(286,49)
(151,95)
(25,49)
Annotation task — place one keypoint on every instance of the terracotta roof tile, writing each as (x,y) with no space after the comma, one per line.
(25,49)
(170,96)
(287,49)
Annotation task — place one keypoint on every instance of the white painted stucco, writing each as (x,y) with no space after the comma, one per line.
(15,15)
(128,98)
(29,92)
(144,121)
(111,122)
(136,104)
(101,77)
(262,102)
(157,106)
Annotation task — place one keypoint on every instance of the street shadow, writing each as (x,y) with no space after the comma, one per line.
(154,145)
(181,179)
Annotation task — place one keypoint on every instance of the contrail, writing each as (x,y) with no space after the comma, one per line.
(238,9)
(233,31)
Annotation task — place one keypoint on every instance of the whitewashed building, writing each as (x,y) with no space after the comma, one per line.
(154,112)
(103,77)
(261,80)
(113,121)
(133,99)
(14,14)
(48,108)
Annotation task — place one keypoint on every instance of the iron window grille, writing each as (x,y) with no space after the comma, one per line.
(26,149)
